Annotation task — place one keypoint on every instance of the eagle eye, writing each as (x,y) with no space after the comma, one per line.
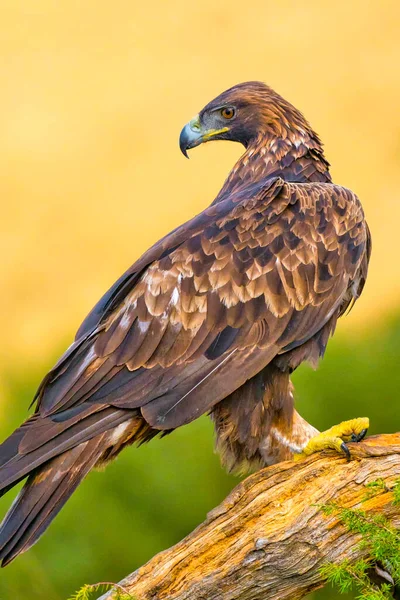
(228,112)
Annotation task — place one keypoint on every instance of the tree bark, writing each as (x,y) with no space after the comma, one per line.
(269,537)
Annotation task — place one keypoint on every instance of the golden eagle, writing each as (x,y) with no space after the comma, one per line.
(212,319)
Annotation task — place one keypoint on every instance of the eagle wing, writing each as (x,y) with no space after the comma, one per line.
(205,309)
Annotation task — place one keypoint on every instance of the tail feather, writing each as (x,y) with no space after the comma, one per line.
(18,459)
(7,488)
(43,495)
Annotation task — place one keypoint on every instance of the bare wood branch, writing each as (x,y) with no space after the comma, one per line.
(269,538)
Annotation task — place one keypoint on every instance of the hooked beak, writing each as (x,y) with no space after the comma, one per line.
(192,135)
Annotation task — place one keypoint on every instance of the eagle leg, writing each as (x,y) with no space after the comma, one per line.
(336,437)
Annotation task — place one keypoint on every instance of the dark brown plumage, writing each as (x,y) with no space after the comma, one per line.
(213,318)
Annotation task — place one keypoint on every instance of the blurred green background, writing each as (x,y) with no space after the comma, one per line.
(93,98)
(153,496)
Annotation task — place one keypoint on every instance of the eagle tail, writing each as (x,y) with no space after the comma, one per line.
(43,495)
(37,441)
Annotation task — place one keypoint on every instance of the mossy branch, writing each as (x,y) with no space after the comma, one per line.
(89,589)
(378,576)
(270,538)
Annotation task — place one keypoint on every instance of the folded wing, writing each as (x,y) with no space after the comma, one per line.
(204,310)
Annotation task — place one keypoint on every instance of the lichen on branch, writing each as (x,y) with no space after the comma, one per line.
(269,538)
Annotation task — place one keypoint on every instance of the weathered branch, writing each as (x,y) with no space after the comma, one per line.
(269,538)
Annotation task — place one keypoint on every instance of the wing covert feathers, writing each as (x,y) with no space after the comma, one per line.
(253,277)
(266,267)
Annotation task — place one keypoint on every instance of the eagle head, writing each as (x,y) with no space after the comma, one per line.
(242,114)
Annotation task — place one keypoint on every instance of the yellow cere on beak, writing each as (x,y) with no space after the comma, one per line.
(212,132)
(194,124)
(192,135)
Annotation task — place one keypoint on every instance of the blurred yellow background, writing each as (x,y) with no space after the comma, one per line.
(93,97)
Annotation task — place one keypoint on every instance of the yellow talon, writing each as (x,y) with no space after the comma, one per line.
(336,438)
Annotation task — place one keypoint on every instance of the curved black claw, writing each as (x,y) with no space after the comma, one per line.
(345,450)
(358,437)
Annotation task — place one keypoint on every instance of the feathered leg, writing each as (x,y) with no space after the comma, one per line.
(257,425)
